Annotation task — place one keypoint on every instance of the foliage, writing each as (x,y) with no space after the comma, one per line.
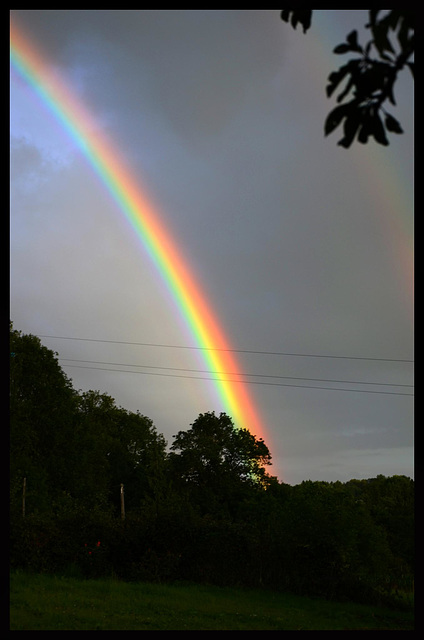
(41,418)
(298,16)
(218,463)
(205,511)
(119,447)
(74,447)
(369,78)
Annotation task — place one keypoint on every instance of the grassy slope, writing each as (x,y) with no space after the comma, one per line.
(55,603)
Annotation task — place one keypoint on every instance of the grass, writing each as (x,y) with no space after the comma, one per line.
(41,602)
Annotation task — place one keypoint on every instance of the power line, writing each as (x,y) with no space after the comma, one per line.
(274,384)
(270,353)
(229,373)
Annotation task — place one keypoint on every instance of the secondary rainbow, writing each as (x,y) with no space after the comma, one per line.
(145,220)
(379,169)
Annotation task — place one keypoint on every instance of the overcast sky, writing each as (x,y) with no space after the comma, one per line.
(302,247)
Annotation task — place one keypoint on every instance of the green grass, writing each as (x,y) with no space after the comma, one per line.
(40,602)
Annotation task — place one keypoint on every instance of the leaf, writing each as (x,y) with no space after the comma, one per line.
(350,128)
(342,48)
(348,87)
(406,38)
(335,117)
(373,17)
(390,95)
(351,45)
(373,127)
(352,39)
(392,124)
(378,131)
(304,16)
(336,77)
(364,133)
(381,39)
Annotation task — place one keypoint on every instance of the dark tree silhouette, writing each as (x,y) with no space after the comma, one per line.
(207,511)
(370,77)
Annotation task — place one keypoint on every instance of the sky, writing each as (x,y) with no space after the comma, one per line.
(301,247)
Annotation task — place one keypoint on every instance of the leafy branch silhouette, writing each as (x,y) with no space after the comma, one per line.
(369,78)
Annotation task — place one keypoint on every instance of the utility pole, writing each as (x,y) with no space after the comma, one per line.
(122,503)
(23,498)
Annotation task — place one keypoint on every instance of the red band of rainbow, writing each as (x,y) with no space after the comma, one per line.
(116,177)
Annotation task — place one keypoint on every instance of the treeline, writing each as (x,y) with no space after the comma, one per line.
(95,491)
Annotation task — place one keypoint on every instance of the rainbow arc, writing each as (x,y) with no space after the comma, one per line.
(145,220)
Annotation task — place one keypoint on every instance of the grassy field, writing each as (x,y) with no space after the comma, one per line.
(39,602)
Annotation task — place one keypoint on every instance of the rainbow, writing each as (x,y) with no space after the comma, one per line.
(379,169)
(145,220)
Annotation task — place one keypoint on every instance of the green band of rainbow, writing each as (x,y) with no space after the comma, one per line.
(144,219)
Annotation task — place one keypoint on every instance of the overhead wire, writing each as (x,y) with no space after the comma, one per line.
(241,377)
(229,373)
(272,353)
(273,384)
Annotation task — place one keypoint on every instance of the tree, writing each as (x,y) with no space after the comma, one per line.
(119,447)
(42,404)
(369,78)
(217,462)
(78,445)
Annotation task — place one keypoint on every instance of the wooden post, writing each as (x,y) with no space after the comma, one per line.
(23,498)
(122,503)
